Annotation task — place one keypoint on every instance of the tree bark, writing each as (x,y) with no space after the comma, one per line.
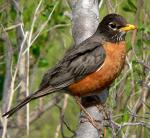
(8,61)
(85,19)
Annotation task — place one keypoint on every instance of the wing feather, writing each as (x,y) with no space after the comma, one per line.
(77,64)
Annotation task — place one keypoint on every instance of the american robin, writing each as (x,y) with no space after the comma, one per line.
(89,67)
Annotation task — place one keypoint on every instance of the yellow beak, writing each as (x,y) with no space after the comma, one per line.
(128,27)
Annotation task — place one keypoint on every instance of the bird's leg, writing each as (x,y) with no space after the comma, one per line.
(88,116)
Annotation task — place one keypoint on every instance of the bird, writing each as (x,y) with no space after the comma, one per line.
(89,67)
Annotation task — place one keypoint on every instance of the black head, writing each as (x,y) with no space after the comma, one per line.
(114,27)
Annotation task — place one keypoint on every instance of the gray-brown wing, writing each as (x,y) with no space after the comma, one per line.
(77,64)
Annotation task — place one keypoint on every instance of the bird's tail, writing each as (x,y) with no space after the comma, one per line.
(37,94)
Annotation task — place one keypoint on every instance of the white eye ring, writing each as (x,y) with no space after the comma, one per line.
(113,26)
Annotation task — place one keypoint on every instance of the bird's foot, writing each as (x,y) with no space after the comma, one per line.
(102,108)
(88,117)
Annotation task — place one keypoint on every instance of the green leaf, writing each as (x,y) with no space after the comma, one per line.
(132,5)
(147,42)
(43,62)
(134,62)
(141,28)
(125,117)
(147,29)
(36,50)
(128,9)
(139,43)
(13,13)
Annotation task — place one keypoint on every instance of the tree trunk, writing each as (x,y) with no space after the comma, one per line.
(85,15)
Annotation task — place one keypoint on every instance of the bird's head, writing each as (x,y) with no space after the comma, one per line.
(114,27)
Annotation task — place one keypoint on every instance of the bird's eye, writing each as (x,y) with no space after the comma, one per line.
(113,26)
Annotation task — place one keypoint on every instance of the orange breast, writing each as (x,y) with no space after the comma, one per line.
(103,77)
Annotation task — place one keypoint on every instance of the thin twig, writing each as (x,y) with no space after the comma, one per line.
(13,27)
(32,40)
(5,120)
(62,115)
(35,114)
